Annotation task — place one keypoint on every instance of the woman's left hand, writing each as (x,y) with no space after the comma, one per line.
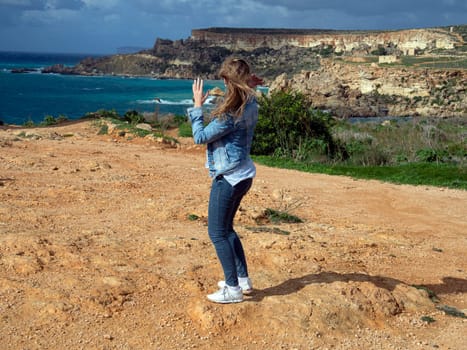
(198,95)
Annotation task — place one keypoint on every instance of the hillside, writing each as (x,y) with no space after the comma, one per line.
(402,60)
(270,51)
(103,245)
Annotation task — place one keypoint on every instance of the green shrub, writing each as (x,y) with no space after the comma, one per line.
(428,319)
(452,311)
(288,126)
(193,217)
(277,216)
(48,120)
(102,113)
(358,146)
(184,130)
(104,130)
(133,117)
(430,155)
(326,50)
(180,119)
(403,141)
(29,123)
(380,51)
(62,118)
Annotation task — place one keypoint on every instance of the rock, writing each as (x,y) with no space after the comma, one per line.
(23,70)
(112,281)
(216,92)
(144,126)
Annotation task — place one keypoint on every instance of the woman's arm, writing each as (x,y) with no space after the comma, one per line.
(216,128)
(211,132)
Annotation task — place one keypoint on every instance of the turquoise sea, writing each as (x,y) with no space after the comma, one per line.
(33,95)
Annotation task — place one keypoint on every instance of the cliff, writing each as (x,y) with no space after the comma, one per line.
(406,41)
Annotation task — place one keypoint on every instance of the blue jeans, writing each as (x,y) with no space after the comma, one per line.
(224,201)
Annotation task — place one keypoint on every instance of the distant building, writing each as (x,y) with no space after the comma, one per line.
(388,59)
(410,52)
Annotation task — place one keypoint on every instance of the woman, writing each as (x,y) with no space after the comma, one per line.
(228,137)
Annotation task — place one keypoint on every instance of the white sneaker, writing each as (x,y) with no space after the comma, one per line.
(226,296)
(244,283)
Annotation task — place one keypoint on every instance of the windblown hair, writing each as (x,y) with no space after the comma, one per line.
(236,73)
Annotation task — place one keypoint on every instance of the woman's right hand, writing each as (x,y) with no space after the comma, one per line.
(198,95)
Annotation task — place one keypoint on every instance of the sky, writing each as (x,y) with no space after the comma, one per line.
(103,26)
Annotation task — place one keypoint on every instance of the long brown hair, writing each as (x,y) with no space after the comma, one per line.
(236,73)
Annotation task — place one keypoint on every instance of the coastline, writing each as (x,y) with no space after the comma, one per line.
(33,96)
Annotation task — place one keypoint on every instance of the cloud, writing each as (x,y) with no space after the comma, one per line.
(113,17)
(15,2)
(63,4)
(49,16)
(43,4)
(369,7)
(101,4)
(98,23)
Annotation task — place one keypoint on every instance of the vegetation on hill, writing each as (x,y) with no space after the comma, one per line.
(427,151)
(291,134)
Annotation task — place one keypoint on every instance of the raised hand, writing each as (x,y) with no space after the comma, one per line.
(198,95)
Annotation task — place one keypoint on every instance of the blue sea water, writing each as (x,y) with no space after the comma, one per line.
(32,96)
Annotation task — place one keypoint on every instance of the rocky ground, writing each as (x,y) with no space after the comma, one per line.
(97,251)
(356,90)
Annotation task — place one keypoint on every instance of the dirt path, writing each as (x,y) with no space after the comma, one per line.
(97,252)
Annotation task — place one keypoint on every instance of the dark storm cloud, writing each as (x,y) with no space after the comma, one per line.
(12,11)
(108,24)
(372,7)
(21,5)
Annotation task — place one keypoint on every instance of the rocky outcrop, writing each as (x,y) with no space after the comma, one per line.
(135,64)
(371,90)
(185,59)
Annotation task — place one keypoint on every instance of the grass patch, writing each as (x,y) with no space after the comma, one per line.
(48,120)
(440,62)
(405,140)
(104,130)
(193,217)
(184,130)
(448,310)
(452,63)
(126,128)
(452,311)
(277,216)
(428,319)
(265,229)
(430,174)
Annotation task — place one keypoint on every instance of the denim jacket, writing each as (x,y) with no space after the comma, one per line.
(228,139)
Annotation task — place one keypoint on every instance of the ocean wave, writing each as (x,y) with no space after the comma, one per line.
(92,89)
(184,102)
(165,102)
